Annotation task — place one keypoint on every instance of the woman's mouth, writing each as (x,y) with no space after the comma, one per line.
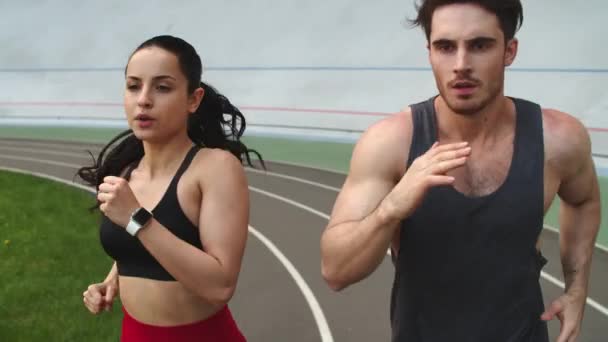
(144,120)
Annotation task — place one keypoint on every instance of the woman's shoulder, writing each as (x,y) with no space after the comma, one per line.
(216,162)
(217,157)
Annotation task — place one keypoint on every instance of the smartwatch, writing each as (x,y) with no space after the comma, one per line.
(139,219)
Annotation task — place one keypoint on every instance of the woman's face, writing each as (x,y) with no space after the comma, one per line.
(156,100)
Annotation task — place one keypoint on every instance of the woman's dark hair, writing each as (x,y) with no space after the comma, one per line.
(509,12)
(217,123)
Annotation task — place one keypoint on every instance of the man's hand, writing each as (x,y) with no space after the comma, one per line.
(569,310)
(427,171)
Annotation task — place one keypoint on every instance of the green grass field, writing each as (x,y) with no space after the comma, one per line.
(49,254)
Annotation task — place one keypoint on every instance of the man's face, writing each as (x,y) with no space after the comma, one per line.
(468,55)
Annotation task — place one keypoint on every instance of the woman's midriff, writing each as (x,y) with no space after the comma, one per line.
(162,303)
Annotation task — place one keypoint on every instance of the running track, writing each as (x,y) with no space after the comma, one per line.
(281,295)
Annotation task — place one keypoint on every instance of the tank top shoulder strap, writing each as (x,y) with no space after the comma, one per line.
(529,122)
(187,161)
(529,154)
(424,130)
(182,168)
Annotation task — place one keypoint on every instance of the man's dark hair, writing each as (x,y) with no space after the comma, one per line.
(509,12)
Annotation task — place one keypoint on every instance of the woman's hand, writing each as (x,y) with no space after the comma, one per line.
(117,200)
(99,297)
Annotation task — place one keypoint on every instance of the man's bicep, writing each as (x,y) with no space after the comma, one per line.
(568,152)
(358,199)
(375,168)
(581,186)
(370,179)
(580,183)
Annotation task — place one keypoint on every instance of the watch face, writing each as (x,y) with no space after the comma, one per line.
(141,216)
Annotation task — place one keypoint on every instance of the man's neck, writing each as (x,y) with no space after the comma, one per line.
(474,127)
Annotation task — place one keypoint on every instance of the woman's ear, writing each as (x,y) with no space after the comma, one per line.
(195,99)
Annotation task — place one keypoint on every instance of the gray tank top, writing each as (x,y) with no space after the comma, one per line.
(468,268)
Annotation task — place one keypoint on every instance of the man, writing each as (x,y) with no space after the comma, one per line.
(457,187)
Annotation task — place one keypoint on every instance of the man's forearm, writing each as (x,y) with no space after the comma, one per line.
(579,228)
(353,250)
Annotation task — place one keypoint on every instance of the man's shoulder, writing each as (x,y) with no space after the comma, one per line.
(558,123)
(566,139)
(561,126)
(394,130)
(384,147)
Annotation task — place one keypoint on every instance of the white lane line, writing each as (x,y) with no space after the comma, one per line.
(292,178)
(551,229)
(290,201)
(594,304)
(317,312)
(67,145)
(309,296)
(45,151)
(41,161)
(337,172)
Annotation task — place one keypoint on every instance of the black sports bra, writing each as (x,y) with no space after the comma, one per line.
(132,258)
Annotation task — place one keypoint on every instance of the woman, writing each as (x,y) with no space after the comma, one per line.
(174,199)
